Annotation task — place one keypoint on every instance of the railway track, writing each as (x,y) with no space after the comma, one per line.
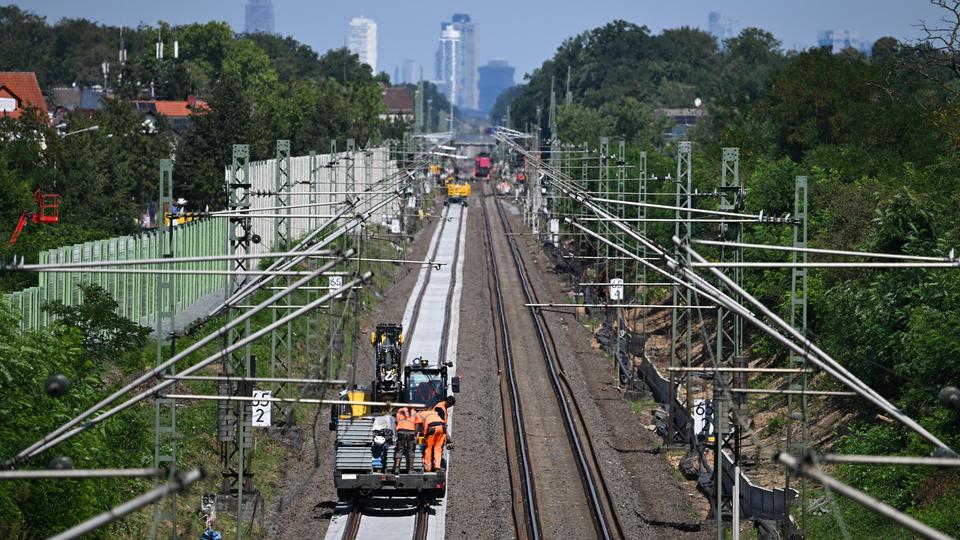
(596,496)
(431,326)
(421,520)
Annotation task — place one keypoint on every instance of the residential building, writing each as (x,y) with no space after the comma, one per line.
(20,91)
(461,63)
(680,120)
(61,101)
(178,113)
(259,18)
(91,99)
(362,41)
(399,103)
(495,77)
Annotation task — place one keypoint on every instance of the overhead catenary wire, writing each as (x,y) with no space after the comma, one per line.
(813,472)
(177,483)
(154,391)
(161,369)
(821,251)
(308,245)
(819,358)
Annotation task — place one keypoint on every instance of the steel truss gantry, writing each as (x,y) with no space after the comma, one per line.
(165,410)
(235,432)
(681,324)
(281,339)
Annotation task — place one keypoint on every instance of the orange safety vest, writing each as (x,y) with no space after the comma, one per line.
(430,421)
(441,408)
(406,419)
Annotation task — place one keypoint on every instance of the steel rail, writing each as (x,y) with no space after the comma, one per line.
(591,485)
(520,437)
(422,521)
(525,274)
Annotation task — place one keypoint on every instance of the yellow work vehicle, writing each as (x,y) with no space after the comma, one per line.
(457,193)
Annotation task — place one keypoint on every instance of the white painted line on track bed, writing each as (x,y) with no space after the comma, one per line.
(394,519)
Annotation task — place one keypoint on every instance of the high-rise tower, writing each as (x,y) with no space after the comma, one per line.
(259,18)
(460,32)
(363,41)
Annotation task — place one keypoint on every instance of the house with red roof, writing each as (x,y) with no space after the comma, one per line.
(399,103)
(20,91)
(178,113)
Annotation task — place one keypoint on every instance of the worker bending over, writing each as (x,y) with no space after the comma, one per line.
(406,438)
(432,424)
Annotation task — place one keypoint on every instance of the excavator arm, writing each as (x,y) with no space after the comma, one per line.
(24,217)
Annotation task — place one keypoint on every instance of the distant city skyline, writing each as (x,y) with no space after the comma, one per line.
(455,65)
(259,17)
(495,77)
(720,29)
(525,33)
(362,40)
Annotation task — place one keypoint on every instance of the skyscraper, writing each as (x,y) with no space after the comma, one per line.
(447,62)
(839,40)
(464,32)
(363,41)
(408,73)
(259,18)
(495,77)
(718,28)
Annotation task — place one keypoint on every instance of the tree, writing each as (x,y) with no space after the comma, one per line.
(106,335)
(578,124)
(207,148)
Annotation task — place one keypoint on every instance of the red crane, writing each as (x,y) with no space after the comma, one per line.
(49,204)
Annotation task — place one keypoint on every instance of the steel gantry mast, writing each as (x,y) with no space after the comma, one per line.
(165,414)
(680,321)
(235,432)
(797,403)
(729,332)
(281,339)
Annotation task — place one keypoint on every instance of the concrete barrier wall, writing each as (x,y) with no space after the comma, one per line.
(756,502)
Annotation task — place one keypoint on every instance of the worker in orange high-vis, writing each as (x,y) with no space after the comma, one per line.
(434,431)
(406,438)
(441,407)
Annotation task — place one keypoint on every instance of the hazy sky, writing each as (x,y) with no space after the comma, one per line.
(524,32)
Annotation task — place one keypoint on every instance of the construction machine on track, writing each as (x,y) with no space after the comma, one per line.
(364,434)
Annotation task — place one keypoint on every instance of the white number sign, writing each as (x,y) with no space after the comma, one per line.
(335,283)
(261,409)
(395,226)
(703,417)
(616,289)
